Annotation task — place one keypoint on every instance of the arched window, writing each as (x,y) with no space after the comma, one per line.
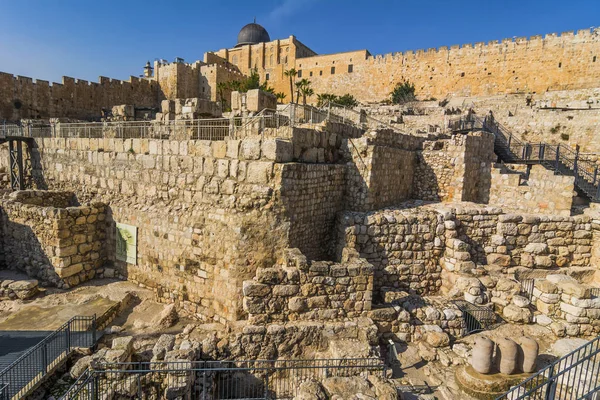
(271,60)
(234,60)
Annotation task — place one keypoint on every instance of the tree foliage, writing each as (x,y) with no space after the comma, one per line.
(280,97)
(346,100)
(303,88)
(403,92)
(291,73)
(246,83)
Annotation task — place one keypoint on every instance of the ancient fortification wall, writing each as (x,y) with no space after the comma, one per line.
(21,97)
(537,64)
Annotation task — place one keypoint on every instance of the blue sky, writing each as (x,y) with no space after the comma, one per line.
(85,39)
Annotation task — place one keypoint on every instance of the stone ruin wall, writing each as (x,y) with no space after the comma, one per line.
(208,213)
(73,98)
(537,64)
(403,246)
(413,249)
(457,168)
(542,192)
(569,117)
(48,236)
(298,289)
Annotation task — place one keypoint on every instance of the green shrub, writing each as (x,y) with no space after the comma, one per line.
(403,92)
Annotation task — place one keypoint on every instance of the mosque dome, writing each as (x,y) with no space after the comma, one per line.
(252,34)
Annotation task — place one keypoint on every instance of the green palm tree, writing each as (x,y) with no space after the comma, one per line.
(280,97)
(303,87)
(291,73)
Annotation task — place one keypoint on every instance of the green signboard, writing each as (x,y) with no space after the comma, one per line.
(127,243)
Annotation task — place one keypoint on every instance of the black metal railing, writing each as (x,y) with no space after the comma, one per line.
(526,288)
(25,373)
(574,376)
(476,318)
(199,380)
(559,158)
(4,392)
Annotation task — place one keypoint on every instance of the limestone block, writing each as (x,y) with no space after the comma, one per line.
(499,259)
(297,304)
(437,339)
(545,286)
(69,271)
(383,314)
(542,320)
(520,301)
(575,289)
(556,278)
(259,172)
(255,289)
(516,314)
(545,308)
(537,248)
(543,261)
(285,290)
(573,310)
(250,149)
(165,343)
(123,343)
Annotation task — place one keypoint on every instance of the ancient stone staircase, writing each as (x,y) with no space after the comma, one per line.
(560,158)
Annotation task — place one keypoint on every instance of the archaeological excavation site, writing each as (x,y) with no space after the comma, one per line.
(270,223)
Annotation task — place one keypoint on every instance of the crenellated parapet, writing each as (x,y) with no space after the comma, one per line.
(24,97)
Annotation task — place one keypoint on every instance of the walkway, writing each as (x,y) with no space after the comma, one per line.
(561,159)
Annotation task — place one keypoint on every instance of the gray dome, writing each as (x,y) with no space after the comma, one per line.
(252,34)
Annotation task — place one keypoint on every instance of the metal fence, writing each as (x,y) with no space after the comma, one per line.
(476,318)
(574,376)
(13,130)
(23,375)
(4,392)
(213,380)
(559,158)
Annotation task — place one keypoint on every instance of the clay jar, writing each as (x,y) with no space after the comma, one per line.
(481,359)
(529,353)
(507,355)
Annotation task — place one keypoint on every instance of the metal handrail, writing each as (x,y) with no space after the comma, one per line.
(545,383)
(369,118)
(263,378)
(560,158)
(27,371)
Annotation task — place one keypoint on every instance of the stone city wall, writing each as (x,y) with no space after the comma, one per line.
(52,240)
(411,318)
(568,61)
(309,290)
(542,192)
(21,97)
